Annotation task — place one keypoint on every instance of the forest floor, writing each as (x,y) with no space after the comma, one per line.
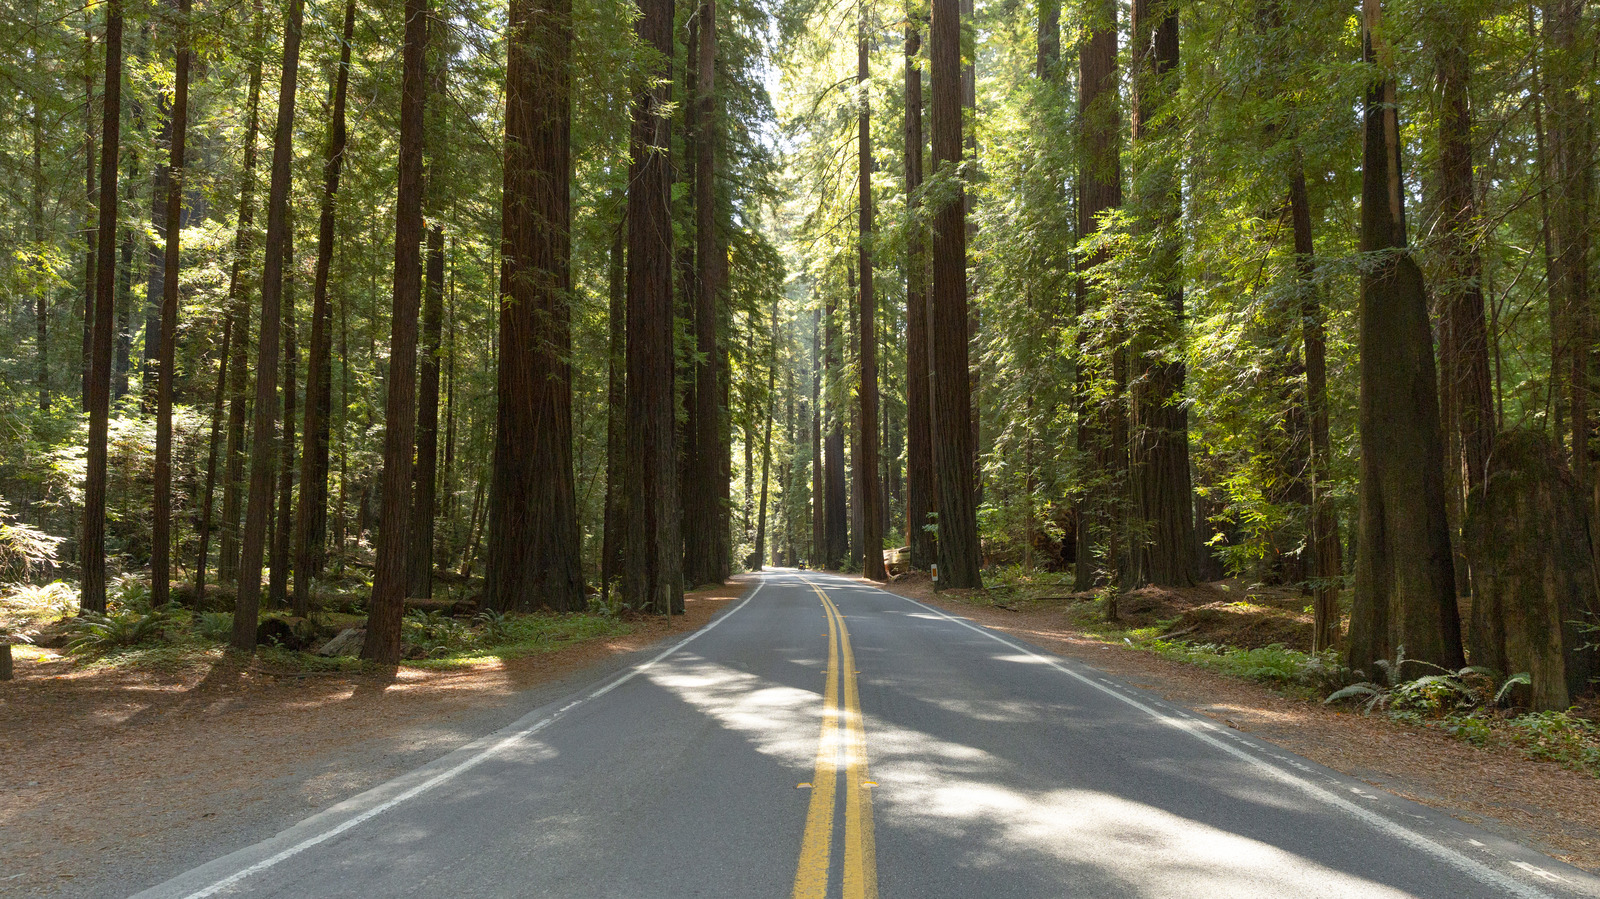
(1538,803)
(112,777)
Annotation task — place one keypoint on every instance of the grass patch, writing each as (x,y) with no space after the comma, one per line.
(448,643)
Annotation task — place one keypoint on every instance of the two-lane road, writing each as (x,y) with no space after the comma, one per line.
(826,739)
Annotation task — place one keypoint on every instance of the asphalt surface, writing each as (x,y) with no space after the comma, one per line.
(823,739)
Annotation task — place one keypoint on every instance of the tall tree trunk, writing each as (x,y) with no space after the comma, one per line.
(959,555)
(533,553)
(1049,39)
(124,300)
(210,493)
(278,573)
(311,519)
(161,519)
(1405,595)
(424,488)
(1569,54)
(264,439)
(1099,191)
(836,527)
(616,402)
(1327,567)
(155,256)
(866,330)
(90,229)
(760,553)
(921,493)
(93,551)
(818,558)
(41,309)
(1163,551)
(238,309)
(701,534)
(389,577)
(652,575)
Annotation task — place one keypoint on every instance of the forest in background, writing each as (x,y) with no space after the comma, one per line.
(557,298)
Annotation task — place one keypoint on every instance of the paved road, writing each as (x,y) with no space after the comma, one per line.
(826,739)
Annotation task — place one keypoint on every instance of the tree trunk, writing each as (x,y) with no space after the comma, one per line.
(1569,54)
(921,492)
(210,493)
(1405,596)
(424,493)
(311,519)
(161,508)
(1099,191)
(155,257)
(263,444)
(1049,39)
(760,554)
(1327,570)
(652,576)
(533,553)
(616,403)
(389,576)
(238,309)
(836,526)
(1534,572)
(278,575)
(866,332)
(818,557)
(705,553)
(41,311)
(1163,550)
(93,551)
(90,226)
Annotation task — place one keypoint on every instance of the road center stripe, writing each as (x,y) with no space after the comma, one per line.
(860,855)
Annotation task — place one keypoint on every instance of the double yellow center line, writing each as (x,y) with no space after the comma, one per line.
(860,858)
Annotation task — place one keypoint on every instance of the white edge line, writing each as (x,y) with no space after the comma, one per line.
(469,763)
(1471,867)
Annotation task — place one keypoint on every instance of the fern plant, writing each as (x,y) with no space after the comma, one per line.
(125,627)
(1464,689)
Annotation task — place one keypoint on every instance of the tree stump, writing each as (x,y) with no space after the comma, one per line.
(1533,571)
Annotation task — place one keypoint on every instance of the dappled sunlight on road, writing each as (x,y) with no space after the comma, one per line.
(777,720)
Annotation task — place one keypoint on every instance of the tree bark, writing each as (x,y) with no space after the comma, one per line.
(652,576)
(818,557)
(90,225)
(836,526)
(616,403)
(871,488)
(278,576)
(209,502)
(389,576)
(424,490)
(921,493)
(311,518)
(1163,550)
(161,508)
(1405,596)
(93,551)
(959,555)
(239,365)
(706,551)
(1099,191)
(264,438)
(760,553)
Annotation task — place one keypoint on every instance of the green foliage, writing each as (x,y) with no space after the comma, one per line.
(92,633)
(214,626)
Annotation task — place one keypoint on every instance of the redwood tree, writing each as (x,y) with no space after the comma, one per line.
(869,486)
(1163,550)
(93,549)
(959,554)
(263,446)
(652,572)
(389,577)
(533,552)
(920,491)
(1405,592)
(311,518)
(161,528)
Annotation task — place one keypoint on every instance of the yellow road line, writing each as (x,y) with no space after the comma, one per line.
(860,855)
(811,875)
